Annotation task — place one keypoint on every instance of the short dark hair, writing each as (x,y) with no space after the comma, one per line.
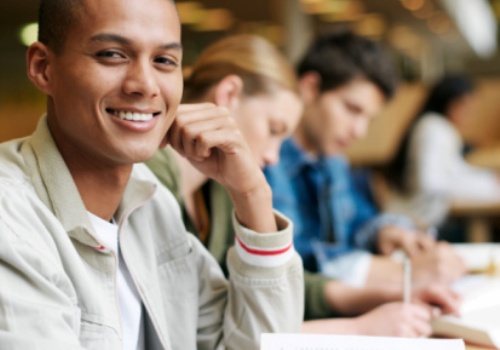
(54,20)
(55,17)
(442,94)
(341,56)
(446,91)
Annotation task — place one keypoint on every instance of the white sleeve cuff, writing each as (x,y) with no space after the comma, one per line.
(351,268)
(265,249)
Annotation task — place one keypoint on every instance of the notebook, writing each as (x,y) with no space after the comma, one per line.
(479,320)
(345,342)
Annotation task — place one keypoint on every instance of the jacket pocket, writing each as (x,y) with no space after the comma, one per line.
(179,284)
(178,271)
(97,336)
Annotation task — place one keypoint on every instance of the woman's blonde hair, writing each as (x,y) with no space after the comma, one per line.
(260,65)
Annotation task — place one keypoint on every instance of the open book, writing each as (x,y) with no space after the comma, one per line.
(345,342)
(479,321)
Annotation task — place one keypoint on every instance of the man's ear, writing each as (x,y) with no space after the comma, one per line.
(309,85)
(228,91)
(38,66)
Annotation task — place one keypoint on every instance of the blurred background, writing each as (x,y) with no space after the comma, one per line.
(428,38)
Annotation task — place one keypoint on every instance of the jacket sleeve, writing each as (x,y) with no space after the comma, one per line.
(266,286)
(368,222)
(316,304)
(37,304)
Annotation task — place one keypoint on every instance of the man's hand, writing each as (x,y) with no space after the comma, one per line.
(391,238)
(209,138)
(437,265)
(432,261)
(440,299)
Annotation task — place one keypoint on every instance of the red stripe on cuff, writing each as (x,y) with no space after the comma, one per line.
(263,252)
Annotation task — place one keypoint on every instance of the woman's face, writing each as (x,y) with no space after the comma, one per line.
(461,109)
(266,120)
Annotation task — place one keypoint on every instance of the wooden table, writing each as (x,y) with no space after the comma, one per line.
(486,157)
(478,215)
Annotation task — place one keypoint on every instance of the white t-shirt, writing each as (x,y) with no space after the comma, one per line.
(128,296)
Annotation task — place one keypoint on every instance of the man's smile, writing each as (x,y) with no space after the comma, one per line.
(132,115)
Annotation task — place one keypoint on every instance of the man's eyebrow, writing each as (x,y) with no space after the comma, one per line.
(172,46)
(112,38)
(108,37)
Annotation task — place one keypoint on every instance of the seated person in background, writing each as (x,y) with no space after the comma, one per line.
(429,170)
(253,80)
(345,80)
(93,250)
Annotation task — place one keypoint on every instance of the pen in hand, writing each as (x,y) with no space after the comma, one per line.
(406,279)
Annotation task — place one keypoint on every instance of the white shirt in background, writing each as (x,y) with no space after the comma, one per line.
(437,174)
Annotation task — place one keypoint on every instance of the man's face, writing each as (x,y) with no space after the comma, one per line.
(115,87)
(336,118)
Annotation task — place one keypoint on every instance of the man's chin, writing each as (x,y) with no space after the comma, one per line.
(333,151)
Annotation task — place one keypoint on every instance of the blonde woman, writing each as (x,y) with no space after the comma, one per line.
(250,77)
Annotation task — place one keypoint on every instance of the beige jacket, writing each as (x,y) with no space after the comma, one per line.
(57,290)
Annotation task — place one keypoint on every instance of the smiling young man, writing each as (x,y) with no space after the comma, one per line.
(345,80)
(93,251)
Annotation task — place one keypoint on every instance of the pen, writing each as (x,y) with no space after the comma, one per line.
(406,279)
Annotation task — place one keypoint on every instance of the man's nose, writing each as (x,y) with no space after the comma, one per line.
(141,80)
(360,128)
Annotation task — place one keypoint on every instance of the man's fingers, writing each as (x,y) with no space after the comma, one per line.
(409,245)
(190,107)
(173,138)
(215,139)
(193,120)
(195,112)
(445,298)
(193,135)
(425,242)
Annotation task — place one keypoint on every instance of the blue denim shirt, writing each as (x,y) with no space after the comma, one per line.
(331,218)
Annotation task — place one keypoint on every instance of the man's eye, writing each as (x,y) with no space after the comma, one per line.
(353,108)
(109,54)
(166,61)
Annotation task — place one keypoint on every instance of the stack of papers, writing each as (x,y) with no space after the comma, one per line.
(479,320)
(344,342)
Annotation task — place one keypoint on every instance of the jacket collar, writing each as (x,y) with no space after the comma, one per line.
(55,187)
(294,158)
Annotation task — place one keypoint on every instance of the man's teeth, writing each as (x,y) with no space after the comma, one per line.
(134,116)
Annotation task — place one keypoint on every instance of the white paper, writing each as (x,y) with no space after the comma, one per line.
(478,256)
(344,342)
